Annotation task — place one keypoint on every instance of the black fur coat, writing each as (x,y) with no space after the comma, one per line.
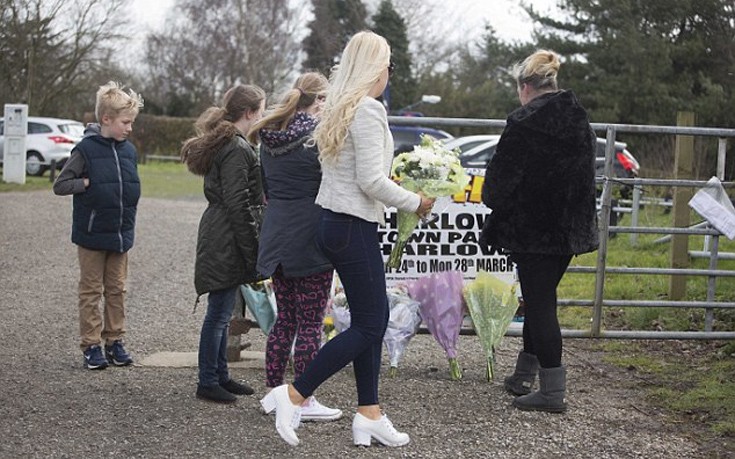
(540,184)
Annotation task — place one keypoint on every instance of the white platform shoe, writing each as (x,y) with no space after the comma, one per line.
(288,415)
(313,411)
(382,430)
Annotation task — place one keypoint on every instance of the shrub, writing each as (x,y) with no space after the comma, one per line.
(161,135)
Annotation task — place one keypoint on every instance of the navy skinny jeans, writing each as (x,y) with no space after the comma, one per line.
(539,275)
(213,337)
(351,245)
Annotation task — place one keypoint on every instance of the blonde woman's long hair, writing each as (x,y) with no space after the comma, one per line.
(364,58)
(305,90)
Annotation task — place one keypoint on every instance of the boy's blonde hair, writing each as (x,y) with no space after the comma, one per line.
(112,100)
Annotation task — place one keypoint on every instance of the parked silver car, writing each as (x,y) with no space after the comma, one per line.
(49,139)
(477,150)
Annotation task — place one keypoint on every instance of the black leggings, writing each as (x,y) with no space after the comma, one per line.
(539,275)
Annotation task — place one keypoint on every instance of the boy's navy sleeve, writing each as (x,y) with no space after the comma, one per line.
(71,177)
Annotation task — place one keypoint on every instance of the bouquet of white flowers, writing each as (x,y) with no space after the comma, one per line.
(432,169)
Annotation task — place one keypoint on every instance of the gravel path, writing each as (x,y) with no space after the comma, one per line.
(52,407)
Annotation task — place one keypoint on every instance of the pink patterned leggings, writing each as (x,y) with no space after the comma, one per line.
(301,304)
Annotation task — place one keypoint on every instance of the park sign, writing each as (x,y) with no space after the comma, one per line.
(448,241)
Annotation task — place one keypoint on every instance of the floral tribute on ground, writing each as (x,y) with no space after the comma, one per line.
(431,169)
(403,324)
(442,310)
(492,304)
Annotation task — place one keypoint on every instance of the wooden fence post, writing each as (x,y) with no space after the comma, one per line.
(683,170)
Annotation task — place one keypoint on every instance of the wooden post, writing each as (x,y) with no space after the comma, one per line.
(683,170)
(234,333)
(52,171)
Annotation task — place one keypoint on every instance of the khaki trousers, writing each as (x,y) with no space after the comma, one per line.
(101,273)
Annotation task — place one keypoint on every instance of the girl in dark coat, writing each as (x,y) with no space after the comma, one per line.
(227,243)
(540,186)
(288,253)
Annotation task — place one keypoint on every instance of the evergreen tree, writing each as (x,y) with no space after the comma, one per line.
(389,24)
(335,21)
(485,76)
(478,83)
(640,61)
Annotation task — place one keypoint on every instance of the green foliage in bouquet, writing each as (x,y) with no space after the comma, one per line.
(432,169)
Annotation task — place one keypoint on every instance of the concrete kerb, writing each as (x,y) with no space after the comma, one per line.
(248,359)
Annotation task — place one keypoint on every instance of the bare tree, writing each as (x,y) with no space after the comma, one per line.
(432,33)
(210,45)
(53,53)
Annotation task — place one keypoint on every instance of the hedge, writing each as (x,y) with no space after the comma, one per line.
(161,135)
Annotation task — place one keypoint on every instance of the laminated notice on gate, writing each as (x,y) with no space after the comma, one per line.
(713,203)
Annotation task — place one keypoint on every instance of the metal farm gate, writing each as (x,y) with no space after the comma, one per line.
(684,134)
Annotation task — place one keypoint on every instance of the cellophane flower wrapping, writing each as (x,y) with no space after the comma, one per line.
(340,312)
(442,309)
(402,326)
(492,303)
(432,169)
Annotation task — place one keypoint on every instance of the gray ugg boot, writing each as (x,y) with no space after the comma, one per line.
(550,397)
(522,379)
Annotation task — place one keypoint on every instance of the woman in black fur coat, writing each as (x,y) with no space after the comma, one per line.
(540,186)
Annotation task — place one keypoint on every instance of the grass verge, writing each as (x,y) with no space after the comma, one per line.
(693,381)
(159,179)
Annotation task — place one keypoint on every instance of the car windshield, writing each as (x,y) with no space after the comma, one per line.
(479,156)
(73,129)
(470,145)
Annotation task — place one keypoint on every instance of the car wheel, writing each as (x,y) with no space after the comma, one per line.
(34,164)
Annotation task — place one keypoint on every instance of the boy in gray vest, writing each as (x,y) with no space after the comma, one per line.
(102,174)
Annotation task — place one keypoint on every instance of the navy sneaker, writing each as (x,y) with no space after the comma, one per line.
(117,354)
(93,358)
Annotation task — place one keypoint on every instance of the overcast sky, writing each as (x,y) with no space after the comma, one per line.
(508,19)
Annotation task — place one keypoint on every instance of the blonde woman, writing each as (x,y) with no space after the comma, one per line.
(541,187)
(287,251)
(356,150)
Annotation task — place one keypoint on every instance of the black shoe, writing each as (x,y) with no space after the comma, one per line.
(237,388)
(215,394)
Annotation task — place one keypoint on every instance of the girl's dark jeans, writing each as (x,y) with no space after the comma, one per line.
(213,337)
